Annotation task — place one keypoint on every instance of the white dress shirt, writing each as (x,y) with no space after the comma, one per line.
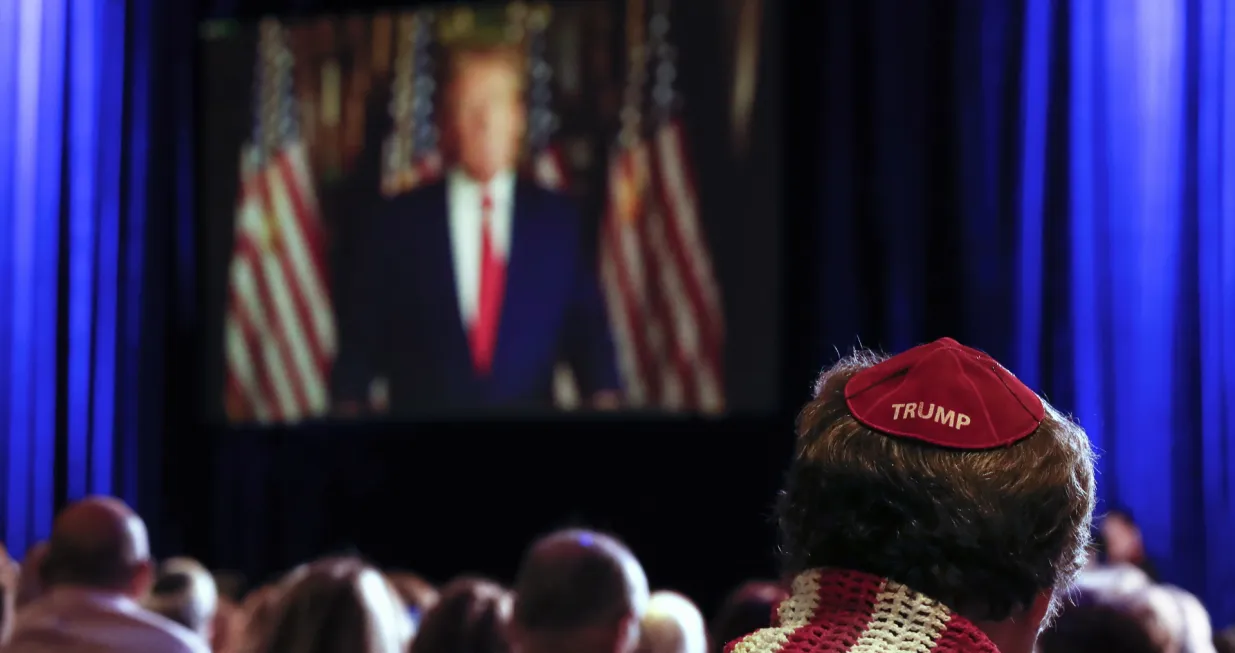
(72,620)
(464,198)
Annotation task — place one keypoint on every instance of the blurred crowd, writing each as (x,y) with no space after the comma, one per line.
(1042,578)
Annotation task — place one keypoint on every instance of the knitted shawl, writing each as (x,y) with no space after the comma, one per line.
(838,611)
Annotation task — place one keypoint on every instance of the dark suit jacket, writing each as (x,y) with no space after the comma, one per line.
(400,313)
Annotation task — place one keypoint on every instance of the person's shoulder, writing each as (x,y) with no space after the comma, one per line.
(170,635)
(176,638)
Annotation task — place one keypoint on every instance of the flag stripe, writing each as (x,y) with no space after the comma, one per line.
(280,334)
(658,279)
(677,386)
(302,259)
(249,312)
(699,323)
(291,312)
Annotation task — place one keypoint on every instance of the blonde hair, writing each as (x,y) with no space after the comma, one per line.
(458,58)
(672,624)
(193,606)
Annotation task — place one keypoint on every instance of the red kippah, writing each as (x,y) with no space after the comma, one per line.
(946,394)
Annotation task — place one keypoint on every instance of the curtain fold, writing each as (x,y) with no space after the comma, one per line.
(74,141)
(1087,241)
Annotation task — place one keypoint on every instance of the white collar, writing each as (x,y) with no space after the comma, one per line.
(502,186)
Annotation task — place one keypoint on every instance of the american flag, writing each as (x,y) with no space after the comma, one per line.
(658,279)
(279,328)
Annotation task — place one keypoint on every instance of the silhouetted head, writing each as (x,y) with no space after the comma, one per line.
(578,590)
(471,616)
(745,610)
(99,543)
(337,605)
(185,592)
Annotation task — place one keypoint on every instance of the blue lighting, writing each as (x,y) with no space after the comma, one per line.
(73,183)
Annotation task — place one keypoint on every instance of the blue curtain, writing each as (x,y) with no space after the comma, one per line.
(1053,182)
(79,330)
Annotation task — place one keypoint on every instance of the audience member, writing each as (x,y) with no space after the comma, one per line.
(185,593)
(1121,542)
(747,609)
(672,624)
(934,503)
(578,592)
(10,573)
(97,567)
(1224,642)
(1090,624)
(419,596)
(1197,632)
(30,583)
(472,616)
(255,618)
(1159,612)
(337,605)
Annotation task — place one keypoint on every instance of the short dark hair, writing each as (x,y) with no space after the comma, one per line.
(981,531)
(1092,625)
(1224,641)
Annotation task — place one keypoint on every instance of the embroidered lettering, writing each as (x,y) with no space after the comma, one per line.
(939,414)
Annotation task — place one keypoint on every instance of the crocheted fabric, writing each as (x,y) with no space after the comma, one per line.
(836,611)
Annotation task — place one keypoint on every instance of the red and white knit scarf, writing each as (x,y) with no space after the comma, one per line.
(837,611)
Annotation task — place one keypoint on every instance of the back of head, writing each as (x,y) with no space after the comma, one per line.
(578,583)
(101,544)
(418,594)
(1160,614)
(672,624)
(1197,629)
(338,605)
(745,610)
(1092,624)
(1224,642)
(939,470)
(185,592)
(470,617)
(30,581)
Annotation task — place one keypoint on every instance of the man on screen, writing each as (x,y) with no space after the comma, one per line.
(471,289)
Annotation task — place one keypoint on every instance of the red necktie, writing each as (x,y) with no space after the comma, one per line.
(492,285)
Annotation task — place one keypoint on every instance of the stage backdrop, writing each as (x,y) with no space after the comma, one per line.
(1054,183)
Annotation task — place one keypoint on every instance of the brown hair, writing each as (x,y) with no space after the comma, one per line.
(981,531)
(416,592)
(338,605)
(470,617)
